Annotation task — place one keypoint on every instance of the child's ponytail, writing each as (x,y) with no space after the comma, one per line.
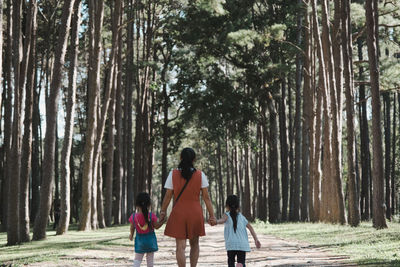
(232,202)
(143,201)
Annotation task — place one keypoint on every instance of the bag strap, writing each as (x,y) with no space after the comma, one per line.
(177,198)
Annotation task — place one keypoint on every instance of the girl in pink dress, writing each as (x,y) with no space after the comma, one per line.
(144,222)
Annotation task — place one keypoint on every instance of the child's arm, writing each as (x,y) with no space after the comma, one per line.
(159,223)
(132,232)
(207,201)
(253,233)
(223,219)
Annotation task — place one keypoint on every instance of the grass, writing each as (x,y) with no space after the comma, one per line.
(54,247)
(363,245)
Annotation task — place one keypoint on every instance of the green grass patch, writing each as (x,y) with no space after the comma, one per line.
(56,246)
(363,245)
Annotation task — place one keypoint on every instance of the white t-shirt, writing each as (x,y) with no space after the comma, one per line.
(169,185)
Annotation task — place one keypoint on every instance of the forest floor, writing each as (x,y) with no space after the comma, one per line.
(111,247)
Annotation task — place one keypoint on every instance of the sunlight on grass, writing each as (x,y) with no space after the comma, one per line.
(55,246)
(363,244)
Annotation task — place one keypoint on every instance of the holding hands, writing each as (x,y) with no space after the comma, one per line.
(212,221)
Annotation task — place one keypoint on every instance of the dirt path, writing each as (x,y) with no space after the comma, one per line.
(274,252)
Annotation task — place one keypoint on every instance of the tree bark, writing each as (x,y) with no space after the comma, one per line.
(347,48)
(364,142)
(30,43)
(1,57)
(308,114)
(15,160)
(284,151)
(295,214)
(246,193)
(7,116)
(273,190)
(393,169)
(39,231)
(128,106)
(119,175)
(387,108)
(371,14)
(110,162)
(35,202)
(65,209)
(96,12)
(336,201)
(320,207)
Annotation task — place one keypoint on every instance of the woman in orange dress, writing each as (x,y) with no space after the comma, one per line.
(186,220)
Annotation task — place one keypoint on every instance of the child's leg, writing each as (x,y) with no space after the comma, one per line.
(138,259)
(241,257)
(150,259)
(231,258)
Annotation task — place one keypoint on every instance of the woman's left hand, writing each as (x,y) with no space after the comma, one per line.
(212,221)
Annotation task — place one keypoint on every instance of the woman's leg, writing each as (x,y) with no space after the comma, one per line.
(180,252)
(150,259)
(194,251)
(138,259)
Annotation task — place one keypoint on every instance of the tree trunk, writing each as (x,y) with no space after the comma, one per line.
(246,192)
(100,197)
(308,114)
(119,175)
(7,117)
(371,14)
(128,106)
(295,213)
(39,231)
(273,190)
(65,209)
(1,56)
(96,10)
(284,151)
(15,160)
(393,191)
(353,200)
(336,201)
(220,179)
(35,202)
(387,108)
(364,143)
(320,207)
(110,162)
(30,43)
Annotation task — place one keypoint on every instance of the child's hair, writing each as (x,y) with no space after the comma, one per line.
(143,201)
(186,164)
(232,202)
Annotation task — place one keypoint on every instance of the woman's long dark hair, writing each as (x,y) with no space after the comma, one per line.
(232,202)
(143,201)
(186,164)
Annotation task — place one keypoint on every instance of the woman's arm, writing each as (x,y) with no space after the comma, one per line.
(131,232)
(207,201)
(253,233)
(223,219)
(165,203)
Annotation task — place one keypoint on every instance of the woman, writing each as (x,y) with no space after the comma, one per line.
(186,220)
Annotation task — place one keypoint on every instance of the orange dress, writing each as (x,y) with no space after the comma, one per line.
(186,220)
